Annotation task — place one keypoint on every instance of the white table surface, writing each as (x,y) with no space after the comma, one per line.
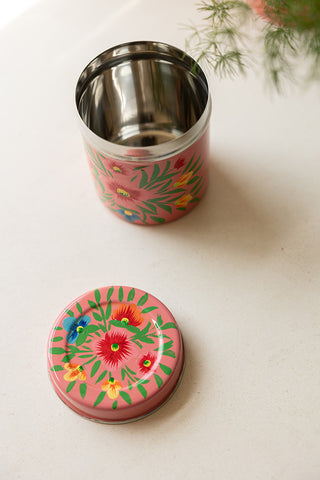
(241,273)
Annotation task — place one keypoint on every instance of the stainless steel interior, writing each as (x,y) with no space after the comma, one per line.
(141,94)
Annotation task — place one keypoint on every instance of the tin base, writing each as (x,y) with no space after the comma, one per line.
(147,136)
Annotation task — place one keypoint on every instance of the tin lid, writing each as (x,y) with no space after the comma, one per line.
(115,354)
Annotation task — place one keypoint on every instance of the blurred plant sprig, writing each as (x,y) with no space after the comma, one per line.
(232,37)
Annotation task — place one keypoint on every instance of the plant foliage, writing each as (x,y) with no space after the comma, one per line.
(232,36)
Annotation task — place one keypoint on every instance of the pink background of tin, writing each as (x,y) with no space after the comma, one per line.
(140,406)
(110,182)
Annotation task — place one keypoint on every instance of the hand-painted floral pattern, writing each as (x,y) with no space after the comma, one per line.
(151,193)
(114,348)
(129,314)
(112,388)
(146,362)
(120,346)
(74,371)
(74,326)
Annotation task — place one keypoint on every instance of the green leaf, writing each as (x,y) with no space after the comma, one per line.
(110,292)
(57,350)
(143,382)
(151,207)
(188,165)
(97,317)
(137,343)
(156,172)
(133,178)
(99,399)
(157,219)
(83,389)
(70,386)
(95,368)
(144,179)
(123,373)
(115,404)
(56,339)
(70,313)
(97,295)
(195,163)
(145,329)
(56,368)
(165,207)
(168,325)
(142,390)
(67,358)
(197,187)
(58,328)
(166,346)
(130,328)
(89,361)
(192,180)
(91,328)
(81,338)
(87,355)
(148,309)
(129,385)
(101,376)
(159,321)
(143,300)
(165,187)
(79,308)
(126,397)
(130,371)
(92,304)
(108,310)
(158,380)
(120,294)
(169,353)
(131,295)
(146,339)
(167,370)
(198,167)
(74,349)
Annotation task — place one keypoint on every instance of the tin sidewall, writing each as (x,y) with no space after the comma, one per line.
(152,193)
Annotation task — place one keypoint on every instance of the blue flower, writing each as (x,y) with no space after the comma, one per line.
(74,326)
(127,215)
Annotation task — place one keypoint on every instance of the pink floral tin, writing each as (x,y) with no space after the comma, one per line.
(115,354)
(144,110)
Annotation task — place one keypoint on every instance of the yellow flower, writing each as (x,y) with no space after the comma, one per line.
(183,180)
(112,387)
(183,201)
(74,371)
(123,192)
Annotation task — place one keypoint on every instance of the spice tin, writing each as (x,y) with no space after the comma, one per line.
(115,354)
(144,109)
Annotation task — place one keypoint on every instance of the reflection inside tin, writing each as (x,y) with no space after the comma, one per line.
(140,97)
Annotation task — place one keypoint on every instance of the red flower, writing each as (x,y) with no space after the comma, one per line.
(114,348)
(179,163)
(129,314)
(146,362)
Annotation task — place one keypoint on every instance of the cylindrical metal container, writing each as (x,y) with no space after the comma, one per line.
(144,110)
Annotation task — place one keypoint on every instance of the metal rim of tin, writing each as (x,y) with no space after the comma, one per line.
(81,358)
(114,56)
